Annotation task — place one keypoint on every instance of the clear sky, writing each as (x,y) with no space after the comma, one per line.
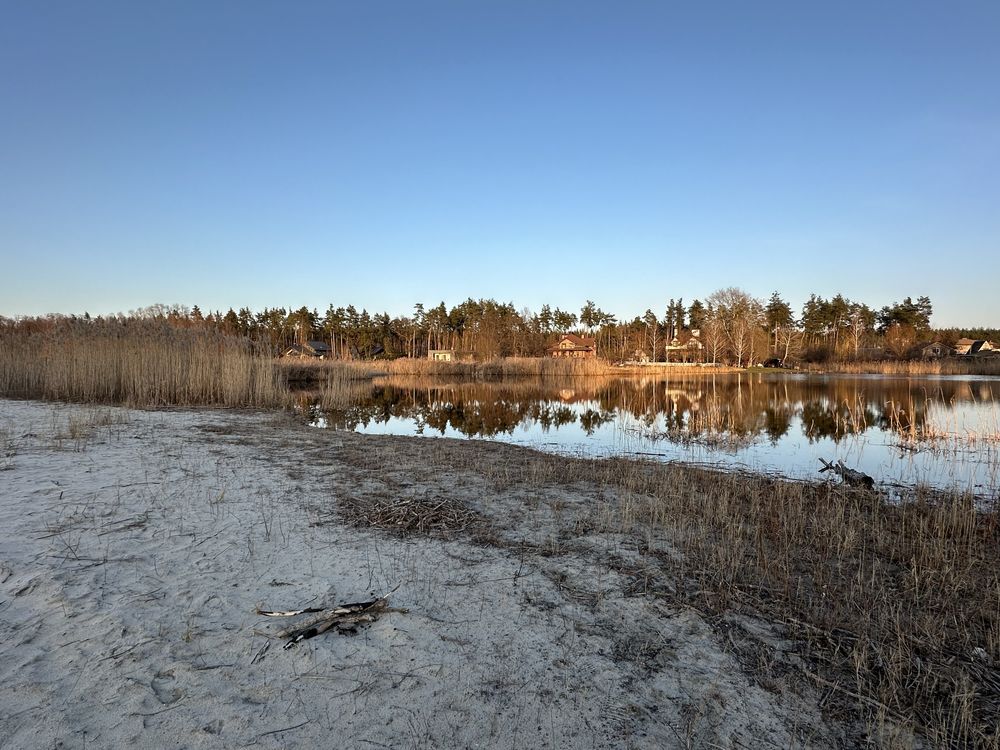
(386,153)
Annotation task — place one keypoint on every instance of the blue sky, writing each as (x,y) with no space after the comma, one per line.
(387,153)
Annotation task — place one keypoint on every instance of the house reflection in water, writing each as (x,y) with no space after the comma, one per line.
(744,405)
(779,421)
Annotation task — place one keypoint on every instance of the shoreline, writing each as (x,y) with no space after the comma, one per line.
(599,603)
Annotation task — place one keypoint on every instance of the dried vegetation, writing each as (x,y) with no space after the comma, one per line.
(896,608)
(492,369)
(138,362)
(436,515)
(975,365)
(897,605)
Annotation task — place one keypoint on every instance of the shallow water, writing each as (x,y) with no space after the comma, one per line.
(940,431)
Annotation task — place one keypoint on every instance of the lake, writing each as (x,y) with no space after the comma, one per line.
(942,432)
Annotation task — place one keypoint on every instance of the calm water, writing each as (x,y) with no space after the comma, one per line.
(940,431)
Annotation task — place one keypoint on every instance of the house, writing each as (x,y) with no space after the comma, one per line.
(935,350)
(965,347)
(441,355)
(308,350)
(691,350)
(571,345)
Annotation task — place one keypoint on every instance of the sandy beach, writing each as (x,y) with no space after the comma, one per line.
(137,546)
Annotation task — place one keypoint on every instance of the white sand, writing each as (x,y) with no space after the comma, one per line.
(133,555)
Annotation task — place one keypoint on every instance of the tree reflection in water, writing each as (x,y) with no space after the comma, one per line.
(741,405)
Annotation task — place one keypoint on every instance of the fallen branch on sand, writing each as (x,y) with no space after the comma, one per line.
(852,477)
(344,618)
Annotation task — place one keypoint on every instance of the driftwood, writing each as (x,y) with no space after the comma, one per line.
(852,477)
(344,618)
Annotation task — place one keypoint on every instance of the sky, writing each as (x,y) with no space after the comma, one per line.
(262,154)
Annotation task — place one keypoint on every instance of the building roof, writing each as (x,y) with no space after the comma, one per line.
(578,340)
(311,348)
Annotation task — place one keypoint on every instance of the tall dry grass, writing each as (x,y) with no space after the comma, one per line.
(326,371)
(949,366)
(506,367)
(140,363)
(492,369)
(335,372)
(896,607)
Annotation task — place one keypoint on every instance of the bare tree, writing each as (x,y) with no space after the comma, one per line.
(789,338)
(738,315)
(860,321)
(651,329)
(713,333)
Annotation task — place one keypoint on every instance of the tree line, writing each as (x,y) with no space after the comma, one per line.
(729,326)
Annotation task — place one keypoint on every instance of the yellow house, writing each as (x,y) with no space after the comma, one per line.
(571,345)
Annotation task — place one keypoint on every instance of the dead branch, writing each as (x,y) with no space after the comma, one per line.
(852,477)
(343,618)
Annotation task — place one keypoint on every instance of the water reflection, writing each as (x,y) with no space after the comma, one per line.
(826,407)
(764,417)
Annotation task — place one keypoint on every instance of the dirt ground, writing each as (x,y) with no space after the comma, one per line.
(137,546)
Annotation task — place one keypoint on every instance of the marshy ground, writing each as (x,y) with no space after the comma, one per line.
(537,601)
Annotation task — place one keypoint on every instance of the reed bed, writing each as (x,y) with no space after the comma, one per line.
(989,365)
(334,371)
(138,363)
(506,367)
(318,372)
(895,607)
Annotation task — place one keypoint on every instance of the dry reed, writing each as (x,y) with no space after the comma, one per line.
(989,365)
(141,363)
(492,369)
(507,367)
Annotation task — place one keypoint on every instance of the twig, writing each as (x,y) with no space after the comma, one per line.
(161,711)
(286,729)
(120,654)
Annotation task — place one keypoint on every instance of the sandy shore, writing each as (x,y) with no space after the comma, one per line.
(135,548)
